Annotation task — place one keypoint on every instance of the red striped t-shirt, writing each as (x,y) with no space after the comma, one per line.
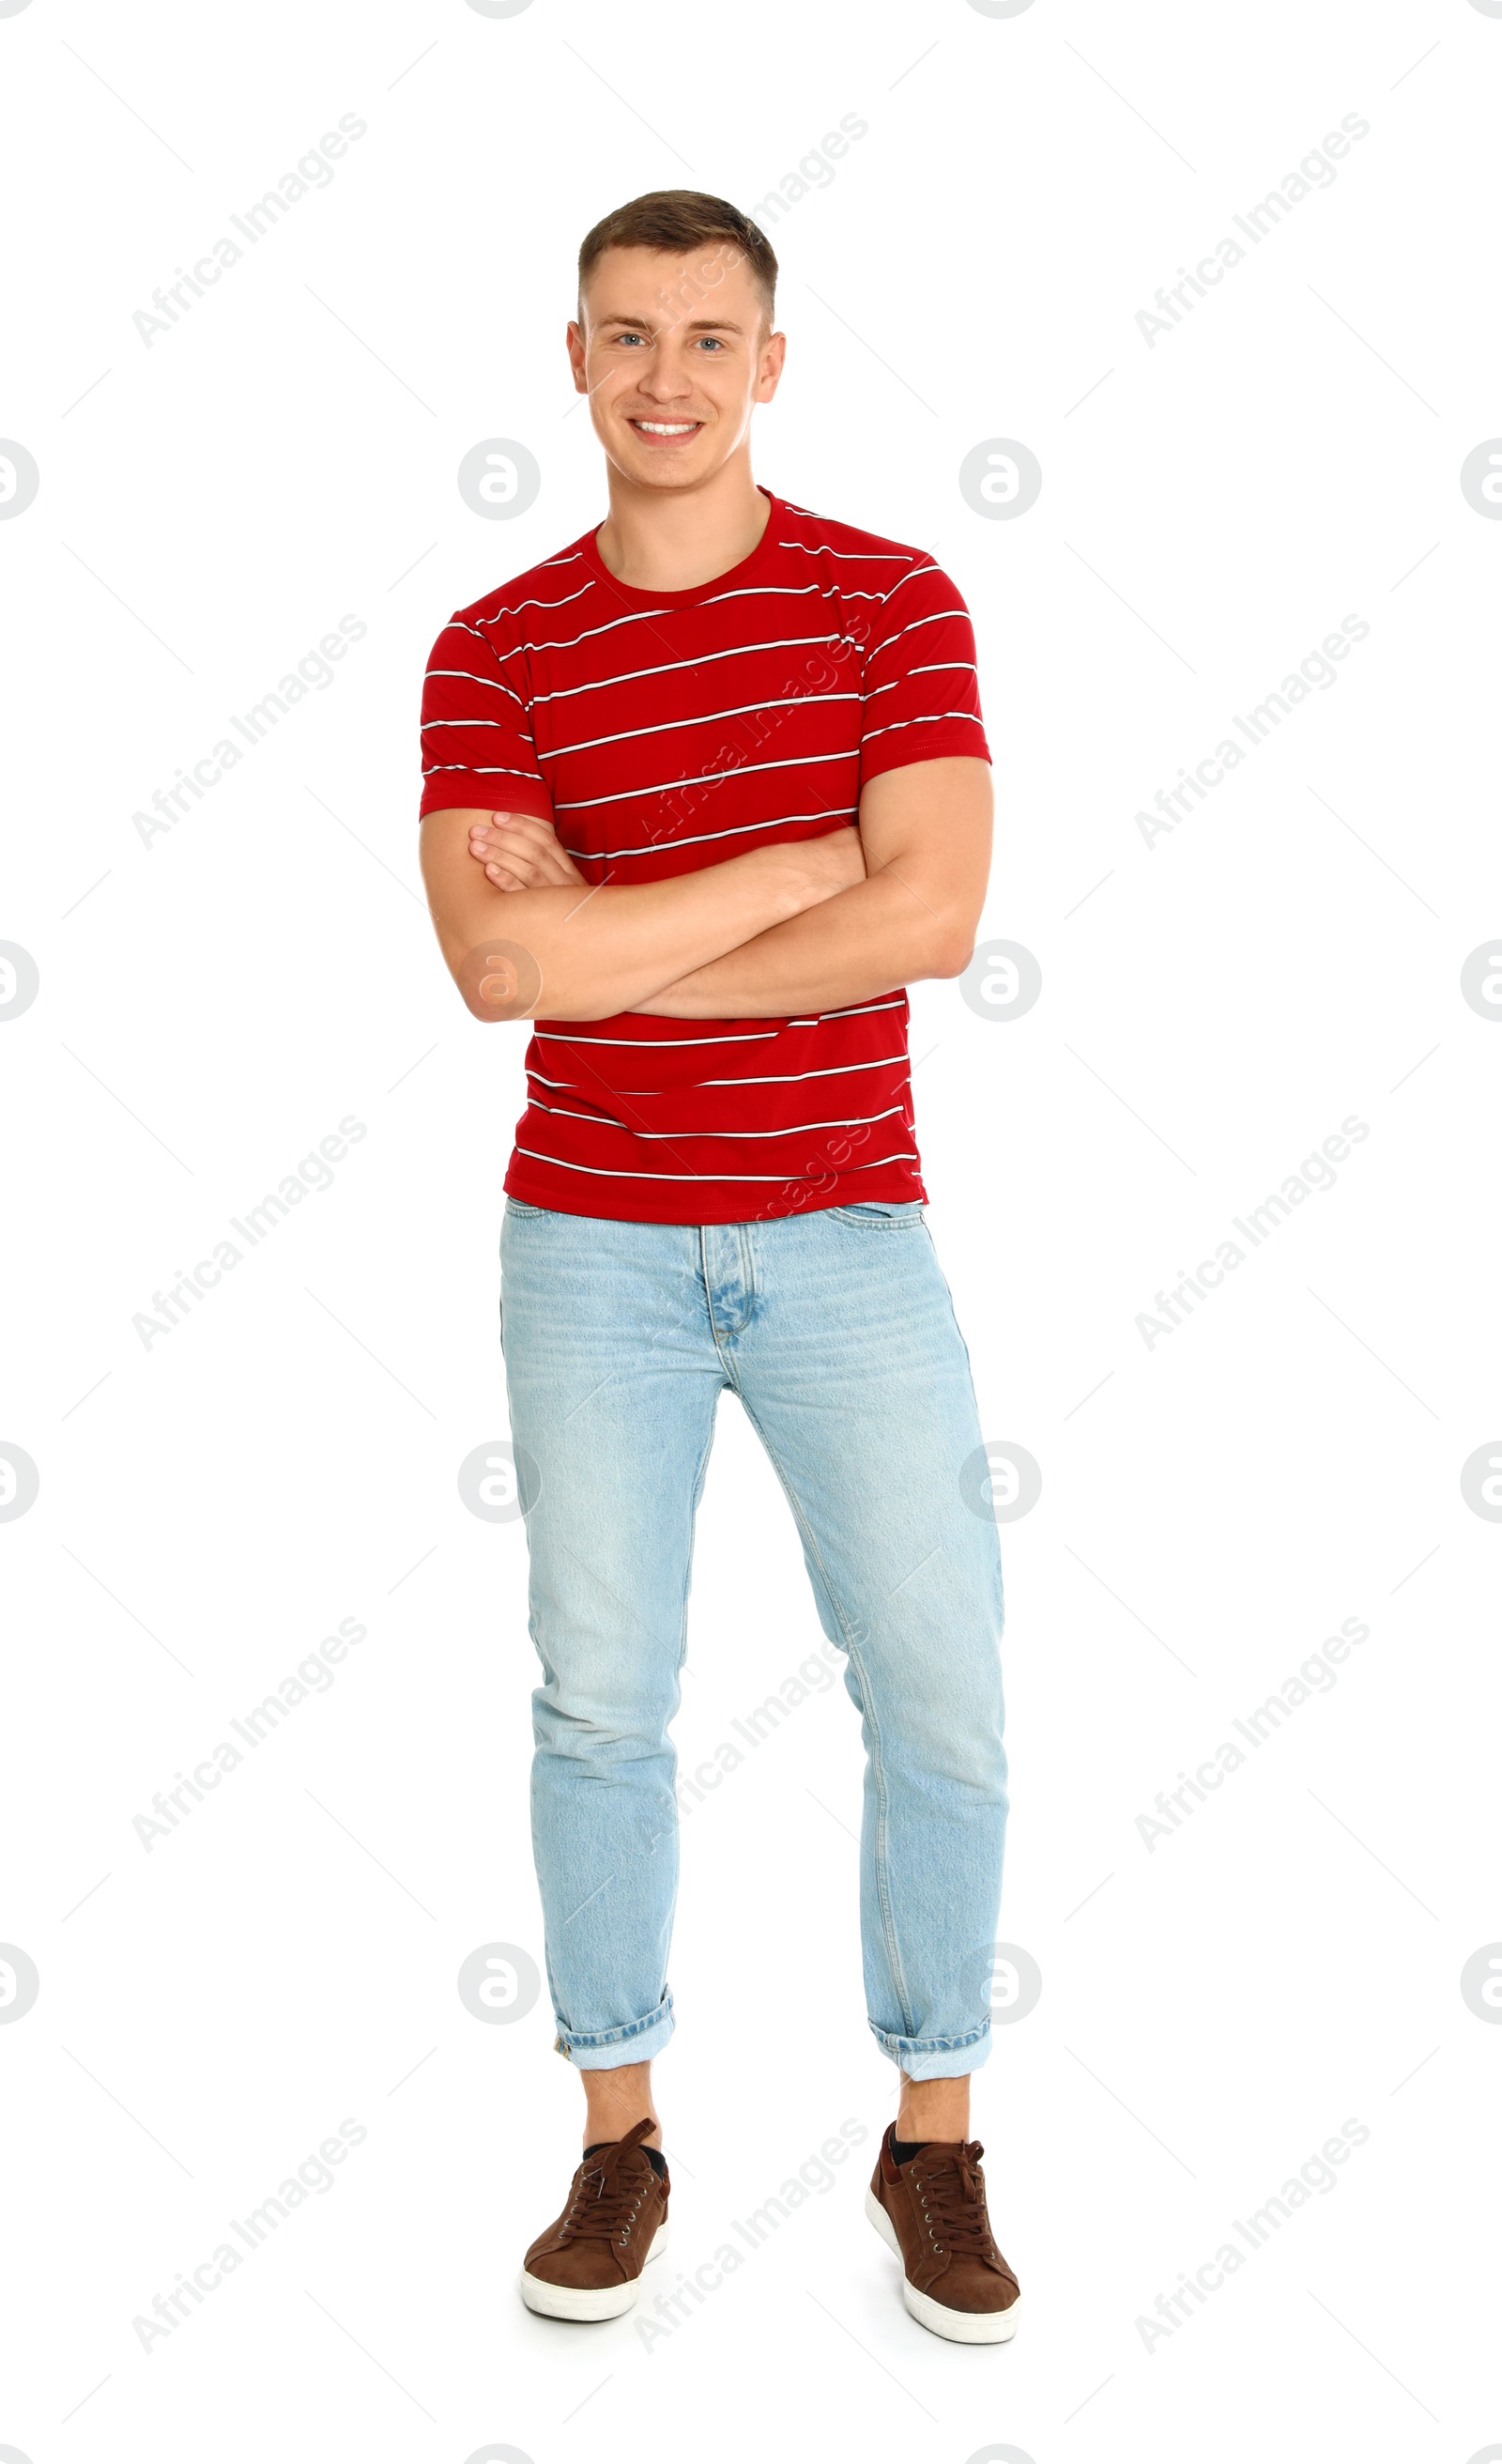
(660,731)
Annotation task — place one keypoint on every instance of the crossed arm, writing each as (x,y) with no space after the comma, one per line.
(820,923)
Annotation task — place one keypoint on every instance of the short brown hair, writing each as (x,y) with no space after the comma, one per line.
(678,220)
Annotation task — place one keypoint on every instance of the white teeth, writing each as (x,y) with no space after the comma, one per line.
(664,428)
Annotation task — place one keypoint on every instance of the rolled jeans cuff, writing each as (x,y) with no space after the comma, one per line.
(936,2057)
(641,2040)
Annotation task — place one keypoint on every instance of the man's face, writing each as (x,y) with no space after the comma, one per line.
(673,353)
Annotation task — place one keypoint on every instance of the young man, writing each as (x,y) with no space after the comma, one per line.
(703,792)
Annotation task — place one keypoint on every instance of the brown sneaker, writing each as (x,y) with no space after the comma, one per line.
(931,2211)
(588,2264)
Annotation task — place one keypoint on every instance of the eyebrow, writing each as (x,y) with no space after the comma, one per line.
(692,326)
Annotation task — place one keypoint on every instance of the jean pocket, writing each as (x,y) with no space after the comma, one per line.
(879,1214)
(527,1214)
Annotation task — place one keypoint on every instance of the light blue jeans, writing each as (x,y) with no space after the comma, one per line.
(837,1330)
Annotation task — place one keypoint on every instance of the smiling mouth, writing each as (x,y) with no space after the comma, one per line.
(666,431)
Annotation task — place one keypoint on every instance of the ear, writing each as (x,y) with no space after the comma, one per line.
(773,353)
(573,340)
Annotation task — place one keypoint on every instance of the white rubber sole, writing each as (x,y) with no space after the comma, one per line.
(960,2327)
(588,2302)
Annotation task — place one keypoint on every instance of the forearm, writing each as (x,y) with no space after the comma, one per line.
(579,953)
(870,939)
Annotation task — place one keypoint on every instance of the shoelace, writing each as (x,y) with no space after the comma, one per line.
(606,2205)
(953,2199)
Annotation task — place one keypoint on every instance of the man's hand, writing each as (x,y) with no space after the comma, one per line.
(518,851)
(500,886)
(925,831)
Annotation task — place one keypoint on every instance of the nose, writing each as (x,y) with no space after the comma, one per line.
(667,377)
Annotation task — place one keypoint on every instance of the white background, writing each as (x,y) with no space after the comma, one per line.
(1213,1005)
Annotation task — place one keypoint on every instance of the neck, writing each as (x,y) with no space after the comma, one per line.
(675,538)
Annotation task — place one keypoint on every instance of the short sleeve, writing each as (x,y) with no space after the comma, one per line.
(477,740)
(920,691)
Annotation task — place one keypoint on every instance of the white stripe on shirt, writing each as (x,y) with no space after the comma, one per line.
(669,666)
(603,1171)
(707,779)
(832,814)
(700,718)
(792,1130)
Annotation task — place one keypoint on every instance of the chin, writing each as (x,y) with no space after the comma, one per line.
(681,475)
(649,470)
